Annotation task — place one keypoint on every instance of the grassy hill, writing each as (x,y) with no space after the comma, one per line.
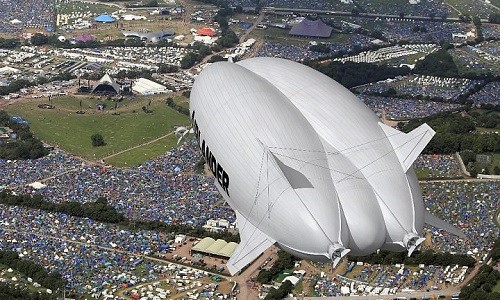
(132,127)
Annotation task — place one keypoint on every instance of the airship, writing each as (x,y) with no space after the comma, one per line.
(305,164)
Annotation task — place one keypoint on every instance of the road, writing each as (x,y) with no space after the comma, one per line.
(271,10)
(247,293)
(258,21)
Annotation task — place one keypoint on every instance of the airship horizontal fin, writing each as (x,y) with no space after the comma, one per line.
(437,222)
(253,243)
(408,145)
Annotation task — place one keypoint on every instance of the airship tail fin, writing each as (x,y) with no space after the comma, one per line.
(408,145)
(253,243)
(437,222)
(415,246)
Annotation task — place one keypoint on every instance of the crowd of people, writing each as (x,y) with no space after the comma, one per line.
(311,4)
(438,166)
(301,52)
(405,29)
(480,58)
(425,9)
(164,189)
(433,87)
(405,109)
(92,257)
(471,207)
(488,94)
(26,14)
(421,31)
(367,279)
(490,31)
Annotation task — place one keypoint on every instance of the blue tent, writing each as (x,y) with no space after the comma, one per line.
(104,18)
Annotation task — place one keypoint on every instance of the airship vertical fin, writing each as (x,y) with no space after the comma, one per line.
(408,146)
(438,223)
(296,179)
(253,243)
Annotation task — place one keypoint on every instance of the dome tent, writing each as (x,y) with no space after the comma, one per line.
(104,18)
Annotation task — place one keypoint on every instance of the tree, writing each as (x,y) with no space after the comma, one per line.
(9,43)
(322,48)
(39,39)
(216,58)
(468,156)
(97,140)
(496,170)
(189,60)
(133,42)
(167,68)
(439,63)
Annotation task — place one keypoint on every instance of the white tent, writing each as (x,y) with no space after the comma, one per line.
(37,185)
(145,86)
(293,280)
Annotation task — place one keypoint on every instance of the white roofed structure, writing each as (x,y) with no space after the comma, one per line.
(145,86)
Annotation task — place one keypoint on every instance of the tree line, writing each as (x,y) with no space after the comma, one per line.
(285,261)
(11,292)
(25,146)
(19,84)
(481,286)
(170,103)
(52,280)
(101,211)
(351,74)
(280,293)
(427,257)
(456,132)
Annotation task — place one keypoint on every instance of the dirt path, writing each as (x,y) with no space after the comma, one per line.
(138,146)
(257,21)
(245,291)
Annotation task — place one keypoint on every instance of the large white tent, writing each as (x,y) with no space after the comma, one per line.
(145,86)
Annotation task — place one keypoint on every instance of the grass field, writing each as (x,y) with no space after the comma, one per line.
(132,127)
(497,287)
(146,152)
(182,101)
(81,7)
(282,36)
(422,173)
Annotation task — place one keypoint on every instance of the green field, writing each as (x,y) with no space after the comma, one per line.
(282,36)
(422,173)
(64,7)
(497,287)
(474,7)
(182,101)
(64,128)
(146,152)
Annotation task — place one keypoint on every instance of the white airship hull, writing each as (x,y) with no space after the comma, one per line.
(305,164)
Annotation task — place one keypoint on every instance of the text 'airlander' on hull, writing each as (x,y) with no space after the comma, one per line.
(305,164)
